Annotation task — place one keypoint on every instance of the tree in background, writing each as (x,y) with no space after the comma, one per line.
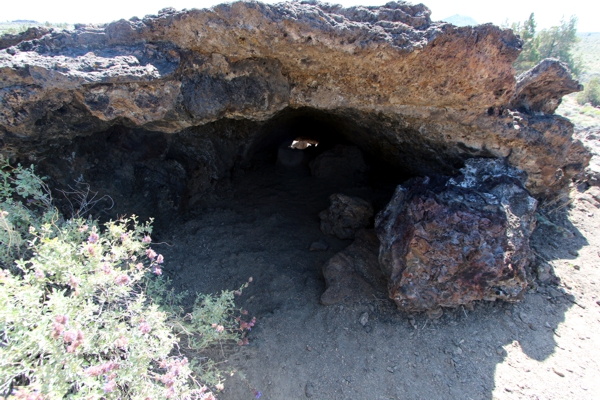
(555,42)
(590,94)
(530,55)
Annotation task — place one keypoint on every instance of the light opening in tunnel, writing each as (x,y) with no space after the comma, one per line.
(302,143)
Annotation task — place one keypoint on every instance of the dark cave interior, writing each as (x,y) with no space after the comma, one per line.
(160,175)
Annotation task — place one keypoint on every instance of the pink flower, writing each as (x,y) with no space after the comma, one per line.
(220,328)
(121,342)
(147,239)
(94,370)
(110,386)
(145,327)
(93,238)
(39,274)
(75,338)
(124,237)
(57,330)
(73,282)
(70,336)
(151,254)
(103,369)
(83,229)
(139,266)
(122,280)
(160,259)
(106,268)
(250,279)
(157,270)
(61,319)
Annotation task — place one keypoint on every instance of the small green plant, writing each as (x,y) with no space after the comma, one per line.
(84,313)
(590,93)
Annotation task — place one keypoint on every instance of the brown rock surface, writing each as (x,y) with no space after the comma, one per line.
(418,95)
(353,274)
(542,88)
(451,242)
(345,216)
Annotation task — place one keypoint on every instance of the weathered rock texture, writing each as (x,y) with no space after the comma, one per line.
(418,95)
(345,216)
(353,274)
(450,242)
(542,88)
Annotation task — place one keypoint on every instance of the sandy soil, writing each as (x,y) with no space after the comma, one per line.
(546,347)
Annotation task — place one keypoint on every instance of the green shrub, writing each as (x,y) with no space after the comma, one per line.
(82,314)
(590,93)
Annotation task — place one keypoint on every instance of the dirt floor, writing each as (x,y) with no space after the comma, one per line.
(546,347)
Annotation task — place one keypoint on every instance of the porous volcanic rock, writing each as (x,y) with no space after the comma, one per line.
(345,216)
(353,274)
(450,242)
(542,88)
(419,95)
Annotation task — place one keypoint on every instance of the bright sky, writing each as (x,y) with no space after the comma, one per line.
(547,12)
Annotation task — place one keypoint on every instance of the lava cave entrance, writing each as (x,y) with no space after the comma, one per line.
(237,198)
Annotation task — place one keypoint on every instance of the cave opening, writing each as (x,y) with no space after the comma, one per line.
(296,137)
(263,220)
(235,198)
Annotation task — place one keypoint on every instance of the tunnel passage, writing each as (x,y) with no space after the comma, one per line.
(388,159)
(164,175)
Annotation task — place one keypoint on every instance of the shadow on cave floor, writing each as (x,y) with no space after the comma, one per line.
(262,227)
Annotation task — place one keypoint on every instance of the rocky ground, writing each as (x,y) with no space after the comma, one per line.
(545,347)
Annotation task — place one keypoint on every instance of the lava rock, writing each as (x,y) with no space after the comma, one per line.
(318,246)
(556,80)
(417,95)
(544,272)
(449,242)
(345,216)
(353,274)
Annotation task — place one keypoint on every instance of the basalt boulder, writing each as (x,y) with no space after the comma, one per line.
(449,242)
(345,215)
(353,274)
(418,95)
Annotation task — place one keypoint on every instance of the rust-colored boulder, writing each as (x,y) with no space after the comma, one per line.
(345,216)
(445,243)
(353,274)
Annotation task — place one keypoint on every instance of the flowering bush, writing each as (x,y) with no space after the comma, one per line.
(76,319)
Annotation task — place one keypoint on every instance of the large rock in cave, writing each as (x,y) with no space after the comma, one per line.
(159,110)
